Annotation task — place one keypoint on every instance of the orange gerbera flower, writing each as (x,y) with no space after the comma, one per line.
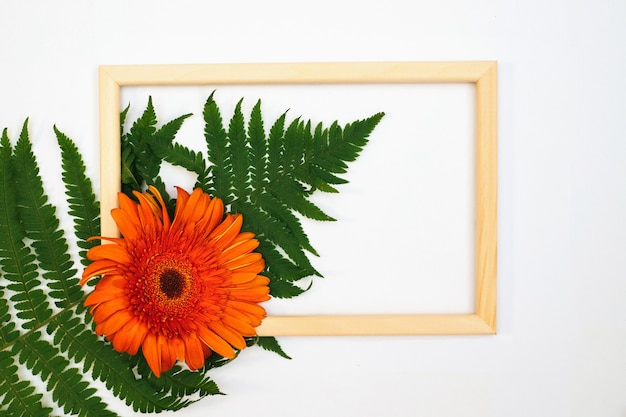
(180,288)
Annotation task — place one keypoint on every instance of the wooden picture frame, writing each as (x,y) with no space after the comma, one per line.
(482,74)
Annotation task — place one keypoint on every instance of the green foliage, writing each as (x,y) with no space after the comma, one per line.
(271,344)
(140,164)
(267,177)
(46,335)
(82,202)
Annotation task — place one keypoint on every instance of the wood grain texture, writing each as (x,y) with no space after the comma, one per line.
(298,73)
(481,73)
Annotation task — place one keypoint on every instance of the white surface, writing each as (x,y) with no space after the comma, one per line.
(404,237)
(561,343)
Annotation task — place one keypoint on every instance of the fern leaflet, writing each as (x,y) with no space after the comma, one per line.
(42,226)
(79,190)
(16,259)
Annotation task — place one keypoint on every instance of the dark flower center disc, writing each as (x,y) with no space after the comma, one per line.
(172,283)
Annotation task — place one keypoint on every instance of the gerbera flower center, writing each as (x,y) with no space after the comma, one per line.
(168,285)
(172,283)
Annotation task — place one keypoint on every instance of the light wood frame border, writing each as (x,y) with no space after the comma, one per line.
(483,74)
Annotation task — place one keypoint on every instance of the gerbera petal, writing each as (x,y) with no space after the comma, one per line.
(178,346)
(182,198)
(215,343)
(254,260)
(128,206)
(255,267)
(238,249)
(206,351)
(242,277)
(102,312)
(97,297)
(243,327)
(113,322)
(238,315)
(149,198)
(127,224)
(101,267)
(114,253)
(152,352)
(224,234)
(214,214)
(193,352)
(168,357)
(194,208)
(122,340)
(152,202)
(150,221)
(228,335)
(254,310)
(138,335)
(111,281)
(255,294)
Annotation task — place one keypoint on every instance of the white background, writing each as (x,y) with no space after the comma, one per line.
(561,343)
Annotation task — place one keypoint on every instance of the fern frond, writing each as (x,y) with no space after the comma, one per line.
(83,206)
(293,148)
(269,178)
(271,344)
(258,148)
(280,267)
(238,153)
(16,259)
(19,397)
(69,389)
(73,355)
(114,369)
(275,145)
(146,165)
(177,154)
(218,154)
(289,189)
(8,330)
(181,382)
(42,226)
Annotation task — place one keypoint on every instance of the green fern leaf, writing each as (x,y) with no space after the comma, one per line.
(281,268)
(42,226)
(238,153)
(181,382)
(284,289)
(114,369)
(146,165)
(293,148)
(275,148)
(295,239)
(16,259)
(66,384)
(289,189)
(177,154)
(271,344)
(70,339)
(271,225)
(8,330)
(270,177)
(83,205)
(258,148)
(123,115)
(19,397)
(220,184)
